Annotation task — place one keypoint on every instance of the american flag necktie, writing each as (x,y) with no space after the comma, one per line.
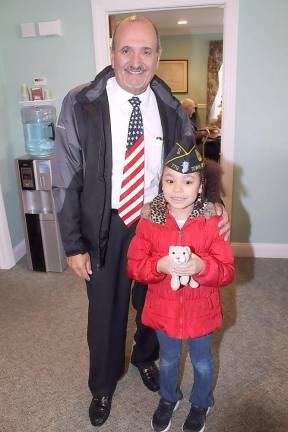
(132,186)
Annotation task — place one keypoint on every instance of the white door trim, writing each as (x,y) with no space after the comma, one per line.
(101,9)
(7,259)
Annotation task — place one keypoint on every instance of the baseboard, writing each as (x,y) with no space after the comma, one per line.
(19,250)
(260,250)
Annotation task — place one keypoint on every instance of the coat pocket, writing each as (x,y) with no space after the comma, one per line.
(163,308)
(205,306)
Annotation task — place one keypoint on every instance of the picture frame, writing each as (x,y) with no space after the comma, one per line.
(175,74)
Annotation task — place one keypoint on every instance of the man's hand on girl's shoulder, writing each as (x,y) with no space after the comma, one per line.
(224,223)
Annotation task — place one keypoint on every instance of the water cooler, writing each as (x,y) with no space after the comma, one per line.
(38,119)
(43,243)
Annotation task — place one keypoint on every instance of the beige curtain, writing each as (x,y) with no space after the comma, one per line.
(215,60)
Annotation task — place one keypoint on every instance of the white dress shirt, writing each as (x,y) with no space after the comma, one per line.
(120,111)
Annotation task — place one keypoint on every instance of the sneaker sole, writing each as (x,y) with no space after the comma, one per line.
(201,430)
(169,424)
(177,405)
(164,430)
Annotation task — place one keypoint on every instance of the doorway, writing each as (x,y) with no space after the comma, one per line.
(192,54)
(102,9)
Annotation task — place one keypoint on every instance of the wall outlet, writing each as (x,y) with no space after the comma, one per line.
(28,29)
(50,28)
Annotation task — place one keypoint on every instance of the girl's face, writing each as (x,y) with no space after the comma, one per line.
(180,191)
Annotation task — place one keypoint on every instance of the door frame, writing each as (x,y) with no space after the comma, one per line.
(101,9)
(7,259)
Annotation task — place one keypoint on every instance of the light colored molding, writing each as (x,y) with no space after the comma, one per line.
(7,259)
(230,44)
(101,9)
(195,30)
(19,250)
(260,250)
(201,105)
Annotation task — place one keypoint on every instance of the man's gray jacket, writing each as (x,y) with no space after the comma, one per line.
(82,166)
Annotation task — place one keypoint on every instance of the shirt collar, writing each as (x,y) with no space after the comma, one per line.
(121,96)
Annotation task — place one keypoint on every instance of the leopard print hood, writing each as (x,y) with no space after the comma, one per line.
(156,210)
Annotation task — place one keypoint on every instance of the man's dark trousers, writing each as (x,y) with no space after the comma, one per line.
(109,296)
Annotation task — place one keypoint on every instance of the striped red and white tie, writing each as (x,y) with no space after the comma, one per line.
(132,186)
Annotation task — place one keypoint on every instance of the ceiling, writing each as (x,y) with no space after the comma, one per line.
(200,20)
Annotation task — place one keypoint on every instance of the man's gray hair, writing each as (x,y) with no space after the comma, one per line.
(133,18)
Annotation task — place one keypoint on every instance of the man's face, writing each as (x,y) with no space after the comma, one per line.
(135,57)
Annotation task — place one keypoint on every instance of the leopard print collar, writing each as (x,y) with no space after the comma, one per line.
(158,207)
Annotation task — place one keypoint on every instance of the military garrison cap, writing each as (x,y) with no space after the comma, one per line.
(184,157)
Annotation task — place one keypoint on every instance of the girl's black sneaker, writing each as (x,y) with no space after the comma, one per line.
(196,419)
(161,420)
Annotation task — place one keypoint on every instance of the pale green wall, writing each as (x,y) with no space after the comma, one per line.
(260,203)
(261,147)
(66,61)
(195,48)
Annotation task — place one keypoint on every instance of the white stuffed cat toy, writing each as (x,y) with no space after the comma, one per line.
(180,255)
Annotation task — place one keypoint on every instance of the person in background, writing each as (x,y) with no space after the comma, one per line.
(208,138)
(102,175)
(191,108)
(181,215)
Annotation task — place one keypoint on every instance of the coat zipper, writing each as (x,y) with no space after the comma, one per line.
(181,299)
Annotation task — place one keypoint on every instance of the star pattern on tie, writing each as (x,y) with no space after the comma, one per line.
(136,124)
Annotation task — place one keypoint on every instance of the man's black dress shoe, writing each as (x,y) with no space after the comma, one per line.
(99,409)
(150,377)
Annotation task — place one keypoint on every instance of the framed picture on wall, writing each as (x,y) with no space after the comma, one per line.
(175,74)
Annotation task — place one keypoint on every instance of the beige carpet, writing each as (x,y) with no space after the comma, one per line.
(44,358)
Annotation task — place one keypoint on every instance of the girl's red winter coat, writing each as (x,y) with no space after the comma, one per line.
(186,313)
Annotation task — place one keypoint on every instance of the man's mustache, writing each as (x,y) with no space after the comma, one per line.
(136,69)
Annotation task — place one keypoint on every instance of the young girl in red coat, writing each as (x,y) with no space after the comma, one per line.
(181,216)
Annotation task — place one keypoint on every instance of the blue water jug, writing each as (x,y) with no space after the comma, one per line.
(39,129)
